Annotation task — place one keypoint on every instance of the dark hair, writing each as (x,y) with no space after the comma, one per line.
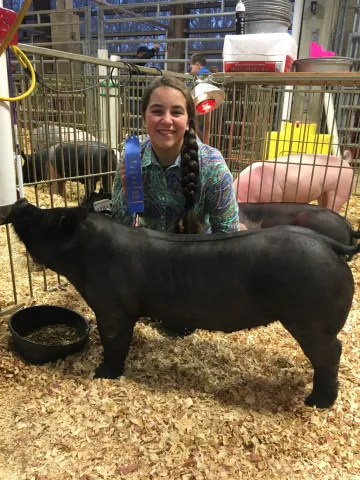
(142,49)
(198,57)
(189,222)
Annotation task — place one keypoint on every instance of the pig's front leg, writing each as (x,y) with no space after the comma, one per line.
(116,331)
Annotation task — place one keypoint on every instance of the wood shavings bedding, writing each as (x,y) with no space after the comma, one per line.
(210,406)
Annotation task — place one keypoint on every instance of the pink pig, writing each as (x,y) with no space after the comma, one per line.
(284,180)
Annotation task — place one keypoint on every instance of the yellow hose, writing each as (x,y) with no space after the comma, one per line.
(15,26)
(25,62)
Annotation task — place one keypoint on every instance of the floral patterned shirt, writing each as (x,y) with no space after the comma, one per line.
(164,200)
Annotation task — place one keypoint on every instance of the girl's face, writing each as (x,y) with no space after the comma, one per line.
(166,120)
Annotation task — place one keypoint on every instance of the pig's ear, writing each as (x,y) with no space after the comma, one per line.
(81,212)
(69,224)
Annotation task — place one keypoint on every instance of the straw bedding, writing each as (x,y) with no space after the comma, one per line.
(210,406)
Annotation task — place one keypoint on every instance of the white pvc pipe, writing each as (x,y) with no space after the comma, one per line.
(104,55)
(19,164)
(331,123)
(7,168)
(286,111)
(114,115)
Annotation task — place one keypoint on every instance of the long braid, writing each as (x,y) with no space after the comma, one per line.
(189,222)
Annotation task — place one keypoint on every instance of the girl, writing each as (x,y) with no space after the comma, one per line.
(187,184)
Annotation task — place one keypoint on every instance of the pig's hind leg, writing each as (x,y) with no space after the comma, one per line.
(324,351)
(335,202)
(107,182)
(116,332)
(331,201)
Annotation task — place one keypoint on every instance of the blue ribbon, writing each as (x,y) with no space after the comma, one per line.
(133,175)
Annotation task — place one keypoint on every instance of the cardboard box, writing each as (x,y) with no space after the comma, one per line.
(259,52)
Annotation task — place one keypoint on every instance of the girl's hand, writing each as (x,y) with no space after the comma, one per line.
(122,175)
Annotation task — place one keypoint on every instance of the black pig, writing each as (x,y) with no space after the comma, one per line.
(70,160)
(224,282)
(319,219)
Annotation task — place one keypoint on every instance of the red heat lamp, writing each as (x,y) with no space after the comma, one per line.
(205,106)
(206,97)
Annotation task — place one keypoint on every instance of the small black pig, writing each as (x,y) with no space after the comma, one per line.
(224,282)
(70,160)
(319,219)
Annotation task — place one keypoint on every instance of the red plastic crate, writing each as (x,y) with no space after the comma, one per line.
(7,18)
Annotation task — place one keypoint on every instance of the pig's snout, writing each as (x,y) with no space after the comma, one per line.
(18,206)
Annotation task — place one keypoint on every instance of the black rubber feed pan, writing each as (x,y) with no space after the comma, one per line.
(64,332)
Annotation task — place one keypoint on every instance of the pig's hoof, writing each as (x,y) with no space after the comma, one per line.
(320,401)
(172,331)
(103,371)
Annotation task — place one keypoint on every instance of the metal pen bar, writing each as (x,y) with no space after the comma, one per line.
(173,17)
(83,59)
(190,3)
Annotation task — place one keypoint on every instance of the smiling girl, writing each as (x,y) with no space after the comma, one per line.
(187,184)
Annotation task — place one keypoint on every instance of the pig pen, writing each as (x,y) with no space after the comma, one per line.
(209,406)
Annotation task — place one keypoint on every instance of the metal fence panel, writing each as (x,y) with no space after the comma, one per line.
(94,104)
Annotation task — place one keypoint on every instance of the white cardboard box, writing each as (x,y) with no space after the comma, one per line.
(259,52)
